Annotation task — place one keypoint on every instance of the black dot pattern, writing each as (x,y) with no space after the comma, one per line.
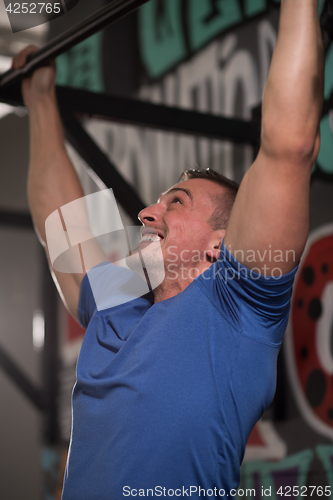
(304,352)
(315,388)
(300,303)
(309,275)
(324,268)
(315,309)
(330,413)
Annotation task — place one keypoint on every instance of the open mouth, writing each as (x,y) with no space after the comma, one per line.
(150,235)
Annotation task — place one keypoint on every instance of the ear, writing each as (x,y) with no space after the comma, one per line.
(213,250)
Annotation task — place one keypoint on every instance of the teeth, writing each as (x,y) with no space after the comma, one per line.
(150,237)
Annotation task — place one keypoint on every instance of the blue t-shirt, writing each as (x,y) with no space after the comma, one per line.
(168,393)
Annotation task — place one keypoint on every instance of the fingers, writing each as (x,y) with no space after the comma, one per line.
(21,58)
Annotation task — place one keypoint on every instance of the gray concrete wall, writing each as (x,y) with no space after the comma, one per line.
(20,271)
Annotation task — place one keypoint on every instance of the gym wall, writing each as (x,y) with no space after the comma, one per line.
(212,56)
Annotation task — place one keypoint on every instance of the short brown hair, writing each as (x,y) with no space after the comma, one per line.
(223,202)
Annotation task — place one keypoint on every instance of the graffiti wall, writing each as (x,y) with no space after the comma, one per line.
(214,56)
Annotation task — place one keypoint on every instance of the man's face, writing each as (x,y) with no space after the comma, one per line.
(178,225)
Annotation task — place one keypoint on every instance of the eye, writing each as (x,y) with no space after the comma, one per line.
(176,200)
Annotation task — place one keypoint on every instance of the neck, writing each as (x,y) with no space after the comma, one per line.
(164,291)
(176,281)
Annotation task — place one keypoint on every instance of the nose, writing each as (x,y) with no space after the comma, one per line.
(150,214)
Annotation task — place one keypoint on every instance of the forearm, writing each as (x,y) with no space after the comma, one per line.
(292,102)
(52,180)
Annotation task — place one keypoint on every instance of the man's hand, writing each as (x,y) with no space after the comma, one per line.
(40,83)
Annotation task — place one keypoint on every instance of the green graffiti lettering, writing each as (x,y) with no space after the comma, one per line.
(254,7)
(325,453)
(298,465)
(207,18)
(161,36)
(321,4)
(63,69)
(81,67)
(329,73)
(326,149)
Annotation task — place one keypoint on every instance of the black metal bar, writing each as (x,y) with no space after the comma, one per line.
(50,356)
(100,163)
(12,95)
(15,219)
(109,14)
(147,114)
(21,381)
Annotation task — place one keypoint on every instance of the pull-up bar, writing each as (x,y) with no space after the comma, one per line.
(108,15)
(126,110)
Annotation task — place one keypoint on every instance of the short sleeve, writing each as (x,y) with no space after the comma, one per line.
(258,304)
(106,286)
(87,305)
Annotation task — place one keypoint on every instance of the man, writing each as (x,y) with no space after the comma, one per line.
(169,385)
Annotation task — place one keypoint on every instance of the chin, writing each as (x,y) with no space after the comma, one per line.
(153,262)
(134,262)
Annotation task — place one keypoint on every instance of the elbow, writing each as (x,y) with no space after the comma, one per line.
(306,147)
(300,147)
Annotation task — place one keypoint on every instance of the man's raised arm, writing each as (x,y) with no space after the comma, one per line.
(268,226)
(52,180)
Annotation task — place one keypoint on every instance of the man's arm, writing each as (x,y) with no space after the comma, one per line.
(271,212)
(52,180)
